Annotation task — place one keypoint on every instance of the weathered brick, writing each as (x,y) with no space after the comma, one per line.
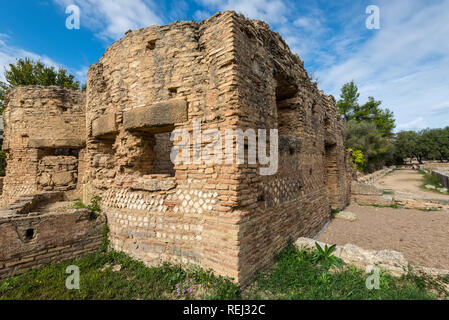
(228,71)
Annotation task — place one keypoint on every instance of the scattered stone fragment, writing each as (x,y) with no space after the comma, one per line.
(116,268)
(346,215)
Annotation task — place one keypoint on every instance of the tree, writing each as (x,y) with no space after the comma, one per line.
(29,72)
(406,144)
(369,128)
(348,106)
(365,136)
(348,100)
(371,111)
(422,145)
(438,143)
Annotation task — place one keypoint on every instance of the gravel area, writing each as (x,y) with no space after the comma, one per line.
(422,237)
(407,182)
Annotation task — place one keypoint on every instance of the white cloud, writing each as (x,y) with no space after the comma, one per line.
(110,19)
(415,124)
(270,11)
(405,63)
(81,74)
(200,15)
(308,23)
(10,54)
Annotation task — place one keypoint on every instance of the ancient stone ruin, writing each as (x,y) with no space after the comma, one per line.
(226,72)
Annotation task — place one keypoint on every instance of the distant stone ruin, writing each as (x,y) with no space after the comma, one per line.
(226,72)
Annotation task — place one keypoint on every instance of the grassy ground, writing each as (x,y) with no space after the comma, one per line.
(430,179)
(294,275)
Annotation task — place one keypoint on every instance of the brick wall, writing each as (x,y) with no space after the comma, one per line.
(227,72)
(31,237)
(42,124)
(230,73)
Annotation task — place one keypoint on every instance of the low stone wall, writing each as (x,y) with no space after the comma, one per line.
(373,177)
(392,261)
(30,238)
(368,194)
(362,190)
(389,260)
(443,177)
(441,166)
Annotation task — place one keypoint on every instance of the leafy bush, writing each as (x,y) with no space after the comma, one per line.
(358,160)
(95,204)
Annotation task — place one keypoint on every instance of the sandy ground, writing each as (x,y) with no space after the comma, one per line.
(422,237)
(407,182)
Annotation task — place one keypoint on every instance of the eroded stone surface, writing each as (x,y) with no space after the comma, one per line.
(346,215)
(44,140)
(392,261)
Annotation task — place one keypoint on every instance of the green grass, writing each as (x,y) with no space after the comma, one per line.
(430,179)
(430,209)
(334,213)
(133,281)
(294,275)
(393,205)
(94,207)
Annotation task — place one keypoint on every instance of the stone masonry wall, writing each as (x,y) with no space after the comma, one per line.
(225,73)
(229,73)
(31,237)
(443,177)
(275,91)
(44,137)
(157,213)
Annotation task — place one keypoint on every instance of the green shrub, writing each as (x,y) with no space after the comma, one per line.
(325,258)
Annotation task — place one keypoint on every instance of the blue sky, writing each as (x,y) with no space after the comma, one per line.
(405,63)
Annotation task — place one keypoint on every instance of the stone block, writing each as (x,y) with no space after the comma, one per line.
(346,215)
(62,178)
(149,184)
(56,143)
(358,188)
(104,125)
(161,114)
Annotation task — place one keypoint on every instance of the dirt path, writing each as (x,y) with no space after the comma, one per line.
(407,182)
(421,236)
